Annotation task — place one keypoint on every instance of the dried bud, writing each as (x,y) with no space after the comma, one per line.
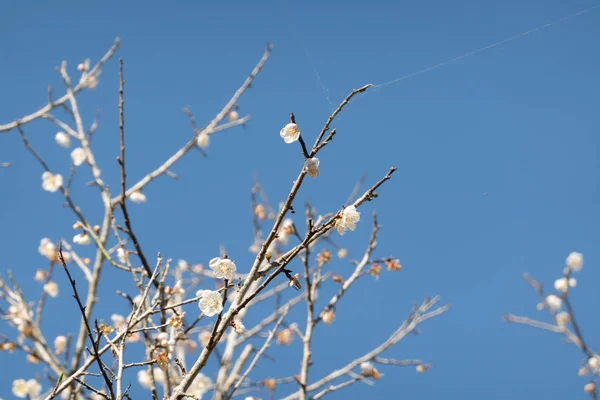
(106,329)
(260,212)
(337,279)
(176,321)
(33,359)
(87,261)
(590,388)
(295,282)
(328,316)
(393,265)
(238,327)
(423,367)
(342,253)
(375,270)
(232,115)
(583,371)
(9,346)
(204,337)
(40,275)
(26,329)
(162,360)
(324,257)
(270,383)
(285,336)
(77,225)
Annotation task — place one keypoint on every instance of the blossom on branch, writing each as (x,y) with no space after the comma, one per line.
(78,156)
(575,261)
(63,139)
(137,197)
(51,182)
(350,216)
(82,239)
(203,140)
(290,133)
(312,167)
(223,268)
(211,303)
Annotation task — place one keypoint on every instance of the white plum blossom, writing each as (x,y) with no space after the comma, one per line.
(19,388)
(594,364)
(366,368)
(118,321)
(200,385)
(554,302)
(562,318)
(82,239)
(575,261)
(47,249)
(223,268)
(22,388)
(183,265)
(290,133)
(144,379)
(60,344)
(211,303)
(51,182)
(312,167)
(350,216)
(78,156)
(561,285)
(203,140)
(285,230)
(51,288)
(121,255)
(63,139)
(137,197)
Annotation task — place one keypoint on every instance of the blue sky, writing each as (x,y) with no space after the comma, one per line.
(518,121)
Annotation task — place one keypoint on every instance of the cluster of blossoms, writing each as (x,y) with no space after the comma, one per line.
(29,389)
(554,302)
(347,220)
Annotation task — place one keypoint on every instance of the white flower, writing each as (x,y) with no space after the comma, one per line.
(19,388)
(183,265)
(312,166)
(121,255)
(572,282)
(285,230)
(47,249)
(78,156)
(562,285)
(51,288)
(22,388)
(144,379)
(366,368)
(554,302)
(575,261)
(82,239)
(290,133)
(51,182)
(562,318)
(342,253)
(200,385)
(347,220)
(63,139)
(118,320)
(223,268)
(137,197)
(594,364)
(211,303)
(203,140)
(33,388)
(60,344)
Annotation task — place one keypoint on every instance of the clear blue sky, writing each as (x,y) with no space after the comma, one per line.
(519,122)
